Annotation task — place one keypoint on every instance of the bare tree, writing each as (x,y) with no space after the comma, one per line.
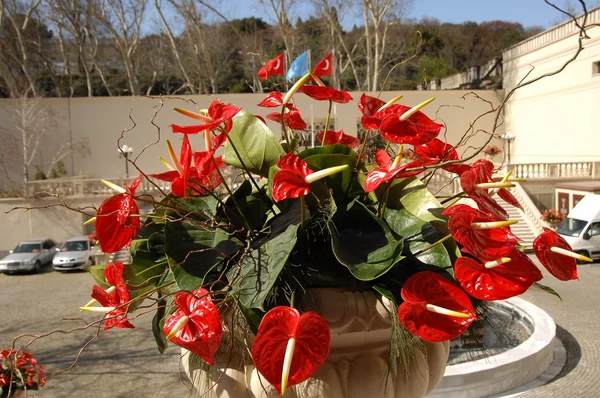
(18,15)
(123,20)
(281,9)
(379,16)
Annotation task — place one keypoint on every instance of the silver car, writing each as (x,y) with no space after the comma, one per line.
(30,255)
(75,253)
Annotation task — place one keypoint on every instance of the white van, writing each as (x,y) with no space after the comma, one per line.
(581,229)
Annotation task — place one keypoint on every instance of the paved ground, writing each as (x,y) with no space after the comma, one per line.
(122,363)
(126,363)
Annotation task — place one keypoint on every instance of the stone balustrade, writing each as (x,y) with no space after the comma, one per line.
(575,170)
(80,187)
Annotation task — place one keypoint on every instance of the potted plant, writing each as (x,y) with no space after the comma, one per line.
(19,371)
(312,270)
(553,217)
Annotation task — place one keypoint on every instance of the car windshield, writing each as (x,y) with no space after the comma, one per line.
(28,248)
(571,227)
(75,246)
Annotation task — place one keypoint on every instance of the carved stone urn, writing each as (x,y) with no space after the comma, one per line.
(357,365)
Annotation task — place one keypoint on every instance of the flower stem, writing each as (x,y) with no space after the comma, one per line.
(233,199)
(284,133)
(431,246)
(327,122)
(302,212)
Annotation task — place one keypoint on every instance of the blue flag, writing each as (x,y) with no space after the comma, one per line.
(298,68)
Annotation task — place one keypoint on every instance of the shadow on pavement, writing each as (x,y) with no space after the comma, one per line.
(573,351)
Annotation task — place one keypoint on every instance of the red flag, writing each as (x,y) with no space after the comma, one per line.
(325,66)
(274,67)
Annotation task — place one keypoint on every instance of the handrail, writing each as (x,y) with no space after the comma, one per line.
(531,214)
(79,187)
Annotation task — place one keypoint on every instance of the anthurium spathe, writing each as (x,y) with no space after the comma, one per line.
(556,255)
(117,220)
(476,183)
(289,347)
(338,137)
(403,125)
(294,177)
(114,301)
(434,309)
(480,233)
(497,280)
(218,113)
(439,152)
(273,100)
(291,117)
(196,324)
(324,93)
(389,170)
(369,106)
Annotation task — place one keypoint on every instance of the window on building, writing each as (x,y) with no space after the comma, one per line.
(596,68)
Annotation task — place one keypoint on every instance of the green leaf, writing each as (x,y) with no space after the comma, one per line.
(363,243)
(547,289)
(337,149)
(193,251)
(253,316)
(257,145)
(260,268)
(417,235)
(157,330)
(338,182)
(254,208)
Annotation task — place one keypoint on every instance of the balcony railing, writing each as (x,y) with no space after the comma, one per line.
(563,170)
(79,187)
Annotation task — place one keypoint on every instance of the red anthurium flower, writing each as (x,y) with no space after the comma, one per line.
(439,152)
(217,113)
(560,265)
(115,225)
(434,309)
(196,324)
(324,93)
(273,100)
(481,173)
(280,328)
(487,244)
(417,129)
(497,280)
(289,181)
(117,299)
(4,380)
(291,117)
(369,106)
(339,137)
(294,177)
(389,170)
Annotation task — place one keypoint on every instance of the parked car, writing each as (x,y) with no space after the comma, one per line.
(75,253)
(30,255)
(581,228)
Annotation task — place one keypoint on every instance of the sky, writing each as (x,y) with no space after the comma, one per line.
(527,12)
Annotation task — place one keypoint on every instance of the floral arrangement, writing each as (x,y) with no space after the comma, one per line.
(19,370)
(492,150)
(251,247)
(553,216)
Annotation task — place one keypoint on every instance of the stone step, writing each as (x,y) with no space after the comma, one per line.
(521,229)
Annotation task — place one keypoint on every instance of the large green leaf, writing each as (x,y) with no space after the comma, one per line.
(193,251)
(254,207)
(259,269)
(337,149)
(363,243)
(418,234)
(257,145)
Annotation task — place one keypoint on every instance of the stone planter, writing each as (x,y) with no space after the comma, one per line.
(357,365)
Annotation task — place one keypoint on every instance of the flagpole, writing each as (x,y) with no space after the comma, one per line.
(285,69)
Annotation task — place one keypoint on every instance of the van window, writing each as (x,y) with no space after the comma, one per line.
(571,227)
(593,230)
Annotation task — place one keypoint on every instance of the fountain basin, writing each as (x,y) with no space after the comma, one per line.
(507,370)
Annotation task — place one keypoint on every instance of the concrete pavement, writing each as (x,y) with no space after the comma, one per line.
(126,363)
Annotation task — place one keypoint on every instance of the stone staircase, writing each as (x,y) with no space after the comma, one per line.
(123,256)
(522,228)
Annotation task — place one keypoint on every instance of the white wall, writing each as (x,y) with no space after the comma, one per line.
(558,118)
